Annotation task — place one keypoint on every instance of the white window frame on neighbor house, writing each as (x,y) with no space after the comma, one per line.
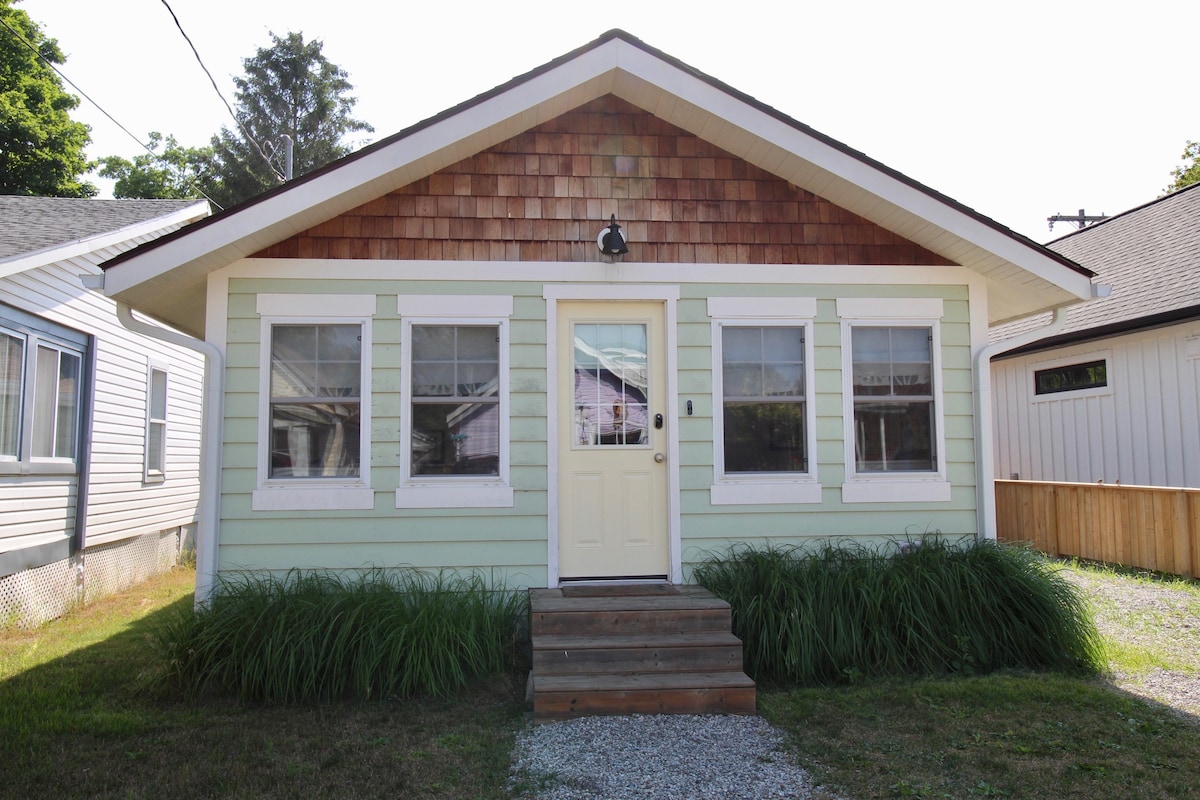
(154,467)
(922,486)
(314,494)
(1070,361)
(768,487)
(454,491)
(39,336)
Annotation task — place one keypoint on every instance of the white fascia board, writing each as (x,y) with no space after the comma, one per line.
(364,179)
(759,129)
(90,244)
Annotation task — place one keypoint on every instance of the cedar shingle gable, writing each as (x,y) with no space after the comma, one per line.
(544,196)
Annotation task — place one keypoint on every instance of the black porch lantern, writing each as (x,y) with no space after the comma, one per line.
(611,241)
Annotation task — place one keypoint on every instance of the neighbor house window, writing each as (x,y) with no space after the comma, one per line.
(41,370)
(763,418)
(892,400)
(315,409)
(454,402)
(1071,377)
(156,423)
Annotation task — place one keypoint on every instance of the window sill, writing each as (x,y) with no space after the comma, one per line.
(896,490)
(417,495)
(313,498)
(764,492)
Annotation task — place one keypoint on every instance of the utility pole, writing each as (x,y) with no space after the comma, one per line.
(1081,219)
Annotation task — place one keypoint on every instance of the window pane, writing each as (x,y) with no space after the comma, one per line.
(158,394)
(783,380)
(894,436)
(741,344)
(12,368)
(45,390)
(68,406)
(156,448)
(315,440)
(316,361)
(764,437)
(456,439)
(783,344)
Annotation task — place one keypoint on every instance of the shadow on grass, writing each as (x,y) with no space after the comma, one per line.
(85,725)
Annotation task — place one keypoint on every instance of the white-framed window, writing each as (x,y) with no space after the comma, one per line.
(454,418)
(764,416)
(41,394)
(155,467)
(1077,376)
(314,402)
(893,409)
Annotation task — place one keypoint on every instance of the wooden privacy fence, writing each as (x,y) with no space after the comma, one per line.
(1147,527)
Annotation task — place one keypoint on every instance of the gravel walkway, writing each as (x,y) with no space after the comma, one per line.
(731,758)
(629,758)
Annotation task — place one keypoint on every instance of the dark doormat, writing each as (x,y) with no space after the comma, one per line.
(620,590)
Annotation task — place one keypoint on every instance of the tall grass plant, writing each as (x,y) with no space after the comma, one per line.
(844,611)
(308,636)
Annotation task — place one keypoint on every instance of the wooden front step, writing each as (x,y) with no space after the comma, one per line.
(625,650)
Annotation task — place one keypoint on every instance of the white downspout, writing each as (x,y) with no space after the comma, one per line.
(212,408)
(985,469)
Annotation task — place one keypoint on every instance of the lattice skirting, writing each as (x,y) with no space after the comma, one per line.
(35,596)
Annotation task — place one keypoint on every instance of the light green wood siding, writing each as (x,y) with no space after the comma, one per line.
(512,542)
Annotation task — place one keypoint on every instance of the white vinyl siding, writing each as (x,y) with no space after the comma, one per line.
(39,508)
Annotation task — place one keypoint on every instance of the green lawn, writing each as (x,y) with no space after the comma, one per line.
(76,722)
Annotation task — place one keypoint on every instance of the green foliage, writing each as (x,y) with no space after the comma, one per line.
(41,148)
(291,89)
(843,612)
(1189,172)
(172,173)
(322,636)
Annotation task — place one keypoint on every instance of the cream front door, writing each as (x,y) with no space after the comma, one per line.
(612,440)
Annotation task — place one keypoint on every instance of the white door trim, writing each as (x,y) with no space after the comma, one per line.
(669,297)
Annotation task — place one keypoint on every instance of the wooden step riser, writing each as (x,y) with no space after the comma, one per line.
(565,705)
(626,623)
(638,659)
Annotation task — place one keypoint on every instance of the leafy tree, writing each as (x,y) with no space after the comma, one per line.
(174,173)
(291,89)
(1189,173)
(41,148)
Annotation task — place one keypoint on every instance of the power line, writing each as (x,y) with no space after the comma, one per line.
(217,89)
(21,38)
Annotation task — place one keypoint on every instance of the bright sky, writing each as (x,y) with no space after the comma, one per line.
(1020,109)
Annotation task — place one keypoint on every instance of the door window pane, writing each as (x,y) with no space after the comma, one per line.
(610,397)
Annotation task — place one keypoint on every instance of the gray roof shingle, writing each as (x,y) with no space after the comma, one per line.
(1149,255)
(30,224)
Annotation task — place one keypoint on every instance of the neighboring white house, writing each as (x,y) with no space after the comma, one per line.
(99,426)
(433,356)
(1115,395)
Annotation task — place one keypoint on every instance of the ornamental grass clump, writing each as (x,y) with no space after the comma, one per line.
(844,611)
(323,636)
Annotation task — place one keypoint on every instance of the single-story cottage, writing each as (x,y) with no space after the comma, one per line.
(593,324)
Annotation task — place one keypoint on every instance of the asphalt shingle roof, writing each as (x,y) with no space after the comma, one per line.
(30,224)
(1149,255)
